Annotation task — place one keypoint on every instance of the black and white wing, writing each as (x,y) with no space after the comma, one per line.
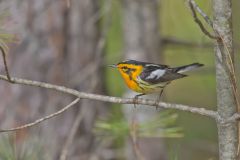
(155,74)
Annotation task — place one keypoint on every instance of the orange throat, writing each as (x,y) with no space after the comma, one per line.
(130,80)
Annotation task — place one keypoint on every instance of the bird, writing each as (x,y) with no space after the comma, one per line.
(147,78)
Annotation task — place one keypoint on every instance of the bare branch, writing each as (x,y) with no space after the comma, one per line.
(5,63)
(84,95)
(206,18)
(43,118)
(194,6)
(235,117)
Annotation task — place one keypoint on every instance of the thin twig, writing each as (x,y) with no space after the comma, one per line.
(204,15)
(194,6)
(5,63)
(230,66)
(231,70)
(43,118)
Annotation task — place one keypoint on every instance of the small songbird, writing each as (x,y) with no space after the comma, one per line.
(147,78)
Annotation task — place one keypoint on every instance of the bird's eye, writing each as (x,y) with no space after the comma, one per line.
(125,69)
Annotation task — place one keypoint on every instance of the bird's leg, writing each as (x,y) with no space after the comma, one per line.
(160,96)
(136,98)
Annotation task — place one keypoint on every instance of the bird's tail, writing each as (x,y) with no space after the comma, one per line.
(187,68)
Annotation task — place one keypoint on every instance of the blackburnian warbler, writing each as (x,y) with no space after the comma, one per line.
(147,78)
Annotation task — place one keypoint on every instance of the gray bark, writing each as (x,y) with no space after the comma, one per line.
(57,44)
(226,104)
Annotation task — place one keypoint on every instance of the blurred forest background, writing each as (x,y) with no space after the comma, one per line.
(70,43)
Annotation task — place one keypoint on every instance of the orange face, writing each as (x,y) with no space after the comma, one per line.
(129,73)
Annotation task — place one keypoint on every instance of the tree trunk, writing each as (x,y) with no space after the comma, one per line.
(226,103)
(58,45)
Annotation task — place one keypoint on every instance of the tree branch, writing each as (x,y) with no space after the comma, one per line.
(84,95)
(194,6)
(43,118)
(5,63)
(206,18)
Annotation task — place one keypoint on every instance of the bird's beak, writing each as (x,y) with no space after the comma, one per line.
(113,65)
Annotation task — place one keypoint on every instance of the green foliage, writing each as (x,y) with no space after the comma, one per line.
(173,156)
(163,125)
(117,128)
(6,149)
(10,149)
(114,127)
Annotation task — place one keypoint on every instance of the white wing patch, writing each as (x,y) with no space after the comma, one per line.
(156,74)
(152,65)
